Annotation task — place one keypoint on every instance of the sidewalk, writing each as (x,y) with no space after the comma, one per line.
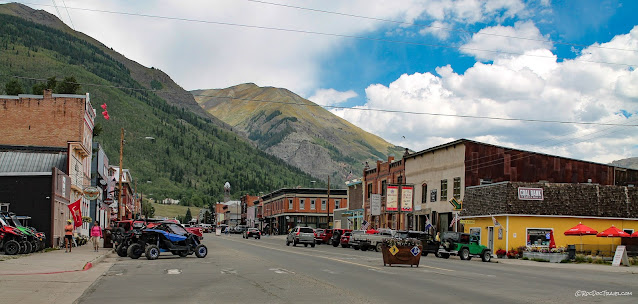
(583,266)
(50,277)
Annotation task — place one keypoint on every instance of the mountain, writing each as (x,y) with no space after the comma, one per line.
(631,163)
(193,153)
(296,130)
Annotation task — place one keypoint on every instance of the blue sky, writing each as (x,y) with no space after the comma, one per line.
(541,59)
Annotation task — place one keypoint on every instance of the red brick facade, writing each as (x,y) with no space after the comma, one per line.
(375,181)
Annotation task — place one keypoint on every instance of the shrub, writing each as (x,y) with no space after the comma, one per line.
(512,254)
(501,252)
(580,258)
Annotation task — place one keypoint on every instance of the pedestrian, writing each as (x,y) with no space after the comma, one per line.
(96,235)
(68,235)
(438,237)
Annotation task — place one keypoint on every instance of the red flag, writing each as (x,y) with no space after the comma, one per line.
(552,243)
(76,213)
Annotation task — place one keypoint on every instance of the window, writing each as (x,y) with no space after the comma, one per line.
(312,204)
(630,231)
(433,195)
(424,193)
(457,188)
(290,205)
(4,207)
(302,204)
(369,190)
(476,232)
(538,236)
(400,179)
(384,187)
(323,204)
(444,189)
(337,203)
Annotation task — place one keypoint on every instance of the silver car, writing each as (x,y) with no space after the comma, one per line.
(301,235)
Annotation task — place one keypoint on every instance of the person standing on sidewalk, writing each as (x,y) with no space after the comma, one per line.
(96,235)
(68,235)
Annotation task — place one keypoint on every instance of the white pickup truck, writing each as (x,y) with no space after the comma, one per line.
(365,241)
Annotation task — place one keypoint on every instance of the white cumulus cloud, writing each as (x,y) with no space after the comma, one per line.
(331,97)
(496,42)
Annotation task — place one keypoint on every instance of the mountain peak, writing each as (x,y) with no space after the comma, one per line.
(37,16)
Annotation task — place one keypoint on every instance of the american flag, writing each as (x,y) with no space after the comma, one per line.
(428,224)
(365,224)
(456,218)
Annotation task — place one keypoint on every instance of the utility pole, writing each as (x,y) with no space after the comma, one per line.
(328,205)
(119,192)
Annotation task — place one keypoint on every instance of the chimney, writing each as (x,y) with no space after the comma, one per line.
(390,159)
(47,94)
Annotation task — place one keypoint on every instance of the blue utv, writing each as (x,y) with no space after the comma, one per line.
(166,237)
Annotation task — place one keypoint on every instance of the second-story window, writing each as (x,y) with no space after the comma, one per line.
(290,204)
(323,204)
(302,204)
(444,189)
(312,204)
(369,190)
(384,187)
(457,188)
(337,204)
(424,193)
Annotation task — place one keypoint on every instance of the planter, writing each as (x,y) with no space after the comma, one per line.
(403,256)
(551,257)
(500,256)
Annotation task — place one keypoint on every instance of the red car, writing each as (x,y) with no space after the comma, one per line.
(345,238)
(326,236)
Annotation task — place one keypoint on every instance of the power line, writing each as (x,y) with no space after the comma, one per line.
(56,9)
(349,108)
(436,27)
(67,12)
(340,35)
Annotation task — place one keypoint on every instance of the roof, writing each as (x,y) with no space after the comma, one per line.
(304,191)
(12,162)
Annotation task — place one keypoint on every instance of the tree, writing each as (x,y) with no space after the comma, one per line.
(208,218)
(68,86)
(147,209)
(51,84)
(188,217)
(14,87)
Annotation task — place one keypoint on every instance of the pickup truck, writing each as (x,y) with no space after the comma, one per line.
(365,241)
(427,241)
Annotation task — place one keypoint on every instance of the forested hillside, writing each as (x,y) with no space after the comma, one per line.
(191,156)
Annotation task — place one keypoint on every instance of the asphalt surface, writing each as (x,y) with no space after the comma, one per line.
(240,270)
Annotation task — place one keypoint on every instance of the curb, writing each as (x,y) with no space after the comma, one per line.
(86,267)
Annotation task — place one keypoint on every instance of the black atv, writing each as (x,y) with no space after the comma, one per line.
(166,237)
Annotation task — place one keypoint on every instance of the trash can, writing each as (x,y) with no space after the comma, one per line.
(571,252)
(108,242)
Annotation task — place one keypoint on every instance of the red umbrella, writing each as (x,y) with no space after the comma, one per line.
(635,234)
(552,243)
(581,230)
(613,232)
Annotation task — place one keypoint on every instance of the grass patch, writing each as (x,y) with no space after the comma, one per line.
(172,211)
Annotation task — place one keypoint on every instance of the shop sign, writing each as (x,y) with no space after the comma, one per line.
(530,194)
(468,222)
(375,204)
(406,198)
(392,198)
(91,192)
(620,256)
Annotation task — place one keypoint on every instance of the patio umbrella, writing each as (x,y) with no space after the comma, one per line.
(581,230)
(552,243)
(613,232)
(635,234)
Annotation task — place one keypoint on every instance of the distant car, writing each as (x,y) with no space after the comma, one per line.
(239,229)
(318,233)
(427,241)
(301,235)
(251,232)
(345,239)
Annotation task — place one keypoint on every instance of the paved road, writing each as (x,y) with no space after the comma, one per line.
(266,271)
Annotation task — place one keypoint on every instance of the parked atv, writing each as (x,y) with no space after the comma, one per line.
(126,233)
(35,238)
(166,237)
(12,241)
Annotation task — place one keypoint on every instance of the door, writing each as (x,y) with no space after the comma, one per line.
(490,238)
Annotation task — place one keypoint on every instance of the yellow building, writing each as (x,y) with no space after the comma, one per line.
(520,230)
(511,214)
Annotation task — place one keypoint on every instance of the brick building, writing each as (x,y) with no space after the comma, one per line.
(56,121)
(287,208)
(376,181)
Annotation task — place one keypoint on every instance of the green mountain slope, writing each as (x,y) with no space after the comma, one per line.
(296,130)
(193,153)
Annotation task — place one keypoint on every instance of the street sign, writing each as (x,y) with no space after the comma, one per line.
(456,204)
(415,250)
(394,250)
(466,222)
